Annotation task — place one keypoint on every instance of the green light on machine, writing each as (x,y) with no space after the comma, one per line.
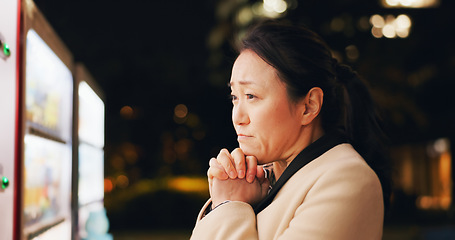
(6,50)
(5,182)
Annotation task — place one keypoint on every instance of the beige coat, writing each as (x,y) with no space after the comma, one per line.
(335,196)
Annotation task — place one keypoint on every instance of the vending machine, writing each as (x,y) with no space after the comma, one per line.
(39,140)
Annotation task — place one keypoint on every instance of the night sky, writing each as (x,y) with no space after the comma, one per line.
(154,55)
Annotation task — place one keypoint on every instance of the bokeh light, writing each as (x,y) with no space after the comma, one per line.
(108,185)
(245,16)
(188,184)
(389,26)
(352,53)
(278,6)
(410,3)
(337,24)
(180,111)
(127,112)
(377,21)
(122,181)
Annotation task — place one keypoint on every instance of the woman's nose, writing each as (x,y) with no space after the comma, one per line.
(240,115)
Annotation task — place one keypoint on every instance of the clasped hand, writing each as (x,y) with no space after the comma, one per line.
(236,177)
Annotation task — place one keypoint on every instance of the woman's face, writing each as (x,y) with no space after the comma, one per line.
(267,123)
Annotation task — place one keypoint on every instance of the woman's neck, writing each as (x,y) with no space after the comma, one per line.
(309,136)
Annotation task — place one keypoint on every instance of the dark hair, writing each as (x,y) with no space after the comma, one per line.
(303,61)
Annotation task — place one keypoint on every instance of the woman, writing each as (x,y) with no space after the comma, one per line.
(309,163)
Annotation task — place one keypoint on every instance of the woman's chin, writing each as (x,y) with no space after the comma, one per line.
(246,149)
(249,151)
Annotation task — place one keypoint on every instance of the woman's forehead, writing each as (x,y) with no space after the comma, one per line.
(249,69)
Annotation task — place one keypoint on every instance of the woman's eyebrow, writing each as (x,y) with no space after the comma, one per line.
(241,82)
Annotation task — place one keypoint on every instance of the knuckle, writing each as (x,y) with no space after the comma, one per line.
(239,162)
(224,154)
(237,151)
(224,151)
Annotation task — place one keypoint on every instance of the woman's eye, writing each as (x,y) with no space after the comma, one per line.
(233,97)
(250,96)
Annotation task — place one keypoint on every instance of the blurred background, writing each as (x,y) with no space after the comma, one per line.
(164,68)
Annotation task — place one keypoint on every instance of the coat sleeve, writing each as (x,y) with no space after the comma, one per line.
(233,220)
(344,203)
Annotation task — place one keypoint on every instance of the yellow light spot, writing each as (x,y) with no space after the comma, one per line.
(186,184)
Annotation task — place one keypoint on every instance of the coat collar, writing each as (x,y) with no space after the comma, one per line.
(307,155)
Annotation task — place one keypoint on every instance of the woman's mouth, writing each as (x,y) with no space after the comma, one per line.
(242,137)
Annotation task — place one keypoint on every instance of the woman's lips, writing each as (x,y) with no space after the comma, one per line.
(242,137)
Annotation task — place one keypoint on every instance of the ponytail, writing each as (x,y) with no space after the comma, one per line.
(362,124)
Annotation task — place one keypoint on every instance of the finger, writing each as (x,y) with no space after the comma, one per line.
(251,163)
(215,172)
(239,161)
(214,163)
(225,159)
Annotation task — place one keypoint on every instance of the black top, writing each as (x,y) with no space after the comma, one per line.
(307,155)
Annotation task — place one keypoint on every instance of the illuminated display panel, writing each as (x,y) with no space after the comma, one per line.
(47,140)
(91,174)
(47,186)
(91,116)
(48,90)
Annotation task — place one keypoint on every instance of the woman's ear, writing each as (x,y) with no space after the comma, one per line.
(312,105)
